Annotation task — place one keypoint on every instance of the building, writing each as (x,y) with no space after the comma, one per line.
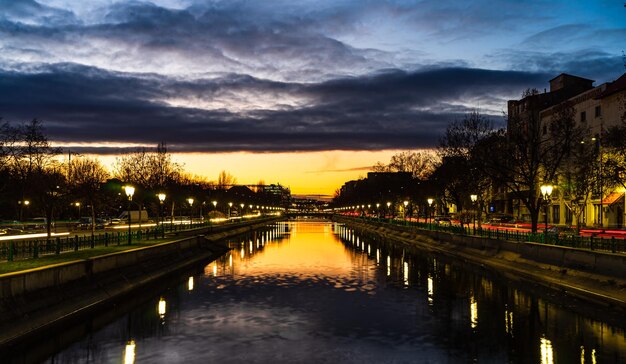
(596,108)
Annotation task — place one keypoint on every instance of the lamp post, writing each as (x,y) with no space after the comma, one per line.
(230,204)
(22,204)
(474,198)
(388,210)
(130,191)
(406,203)
(378,211)
(190,200)
(430,205)
(161,197)
(546,191)
(77,204)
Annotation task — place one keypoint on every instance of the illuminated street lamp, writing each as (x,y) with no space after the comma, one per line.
(161,197)
(130,191)
(474,198)
(77,204)
(430,204)
(405,203)
(22,204)
(230,204)
(190,200)
(388,210)
(546,191)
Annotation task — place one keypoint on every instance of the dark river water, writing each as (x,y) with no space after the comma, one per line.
(316,292)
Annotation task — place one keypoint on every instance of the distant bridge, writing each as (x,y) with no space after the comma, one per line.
(320,214)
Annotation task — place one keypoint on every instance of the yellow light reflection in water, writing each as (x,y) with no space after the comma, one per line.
(250,246)
(242,253)
(431,290)
(547,355)
(129,352)
(378,256)
(215,270)
(190,284)
(368,250)
(593,356)
(161,307)
(230,260)
(388,265)
(508,321)
(406,273)
(473,312)
(305,254)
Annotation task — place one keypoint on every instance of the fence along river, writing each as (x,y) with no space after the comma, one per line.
(319,292)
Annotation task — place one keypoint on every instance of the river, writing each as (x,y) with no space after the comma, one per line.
(317,292)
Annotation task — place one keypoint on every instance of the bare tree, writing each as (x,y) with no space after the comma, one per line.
(529,155)
(225,180)
(461,173)
(87,177)
(420,164)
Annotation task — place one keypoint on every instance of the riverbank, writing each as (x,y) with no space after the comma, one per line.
(39,299)
(594,277)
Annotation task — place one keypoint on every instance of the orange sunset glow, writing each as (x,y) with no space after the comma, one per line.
(306,173)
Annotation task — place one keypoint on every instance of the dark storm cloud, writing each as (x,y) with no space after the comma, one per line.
(589,63)
(391,109)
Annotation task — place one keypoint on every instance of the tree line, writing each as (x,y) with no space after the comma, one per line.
(476,158)
(35,181)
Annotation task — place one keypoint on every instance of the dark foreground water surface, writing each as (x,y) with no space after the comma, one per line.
(315,292)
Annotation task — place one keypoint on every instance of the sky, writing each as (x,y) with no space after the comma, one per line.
(306,93)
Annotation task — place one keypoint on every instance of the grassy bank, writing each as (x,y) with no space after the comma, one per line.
(18,265)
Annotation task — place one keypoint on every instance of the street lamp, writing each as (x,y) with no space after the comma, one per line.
(546,191)
(161,197)
(130,191)
(406,203)
(474,198)
(430,204)
(77,204)
(190,200)
(230,204)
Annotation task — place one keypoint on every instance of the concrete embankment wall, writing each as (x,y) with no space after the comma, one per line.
(595,262)
(595,277)
(19,283)
(33,301)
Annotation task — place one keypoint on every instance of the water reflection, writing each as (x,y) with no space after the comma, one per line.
(321,292)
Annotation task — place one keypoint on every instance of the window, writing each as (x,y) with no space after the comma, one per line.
(568,216)
(556,214)
(583,117)
(598,111)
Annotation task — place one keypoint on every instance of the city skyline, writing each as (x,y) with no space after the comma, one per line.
(244,86)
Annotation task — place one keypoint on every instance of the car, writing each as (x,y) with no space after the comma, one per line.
(443,220)
(562,232)
(501,219)
(85,223)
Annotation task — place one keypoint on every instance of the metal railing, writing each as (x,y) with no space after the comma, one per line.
(612,244)
(33,248)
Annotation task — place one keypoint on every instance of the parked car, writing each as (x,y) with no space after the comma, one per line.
(562,232)
(85,223)
(443,220)
(501,219)
(36,223)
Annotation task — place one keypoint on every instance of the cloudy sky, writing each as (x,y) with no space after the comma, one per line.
(271,82)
